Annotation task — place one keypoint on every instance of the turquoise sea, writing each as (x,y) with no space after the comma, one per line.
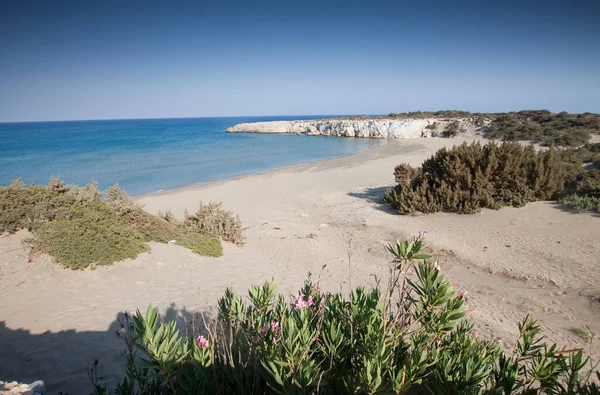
(155,155)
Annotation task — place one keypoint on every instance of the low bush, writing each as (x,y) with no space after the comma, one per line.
(150,227)
(432,126)
(407,338)
(584,183)
(544,127)
(451,130)
(404,174)
(582,204)
(79,228)
(29,206)
(212,219)
(201,244)
(89,234)
(467,178)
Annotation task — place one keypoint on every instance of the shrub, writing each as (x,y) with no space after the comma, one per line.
(201,244)
(584,183)
(150,227)
(432,126)
(78,228)
(90,234)
(407,338)
(212,219)
(451,130)
(544,127)
(29,206)
(404,173)
(467,178)
(582,204)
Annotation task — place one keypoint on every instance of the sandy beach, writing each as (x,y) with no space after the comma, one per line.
(324,218)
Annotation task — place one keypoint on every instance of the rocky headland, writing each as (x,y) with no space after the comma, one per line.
(377,128)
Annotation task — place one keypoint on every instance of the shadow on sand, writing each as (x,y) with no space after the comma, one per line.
(61,359)
(374,195)
(566,209)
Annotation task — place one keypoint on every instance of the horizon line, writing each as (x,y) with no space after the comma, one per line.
(279,115)
(202,117)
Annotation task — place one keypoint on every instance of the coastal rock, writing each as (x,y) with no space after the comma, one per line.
(376,128)
(36,388)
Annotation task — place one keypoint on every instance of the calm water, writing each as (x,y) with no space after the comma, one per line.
(153,155)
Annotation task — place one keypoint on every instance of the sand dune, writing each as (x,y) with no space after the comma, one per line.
(538,259)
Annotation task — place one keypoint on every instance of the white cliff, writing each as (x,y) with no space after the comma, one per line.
(377,128)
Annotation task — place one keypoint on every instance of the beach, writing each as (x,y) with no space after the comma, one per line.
(323,218)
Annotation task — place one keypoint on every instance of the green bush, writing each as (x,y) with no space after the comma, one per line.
(582,204)
(407,338)
(29,206)
(544,127)
(432,126)
(90,234)
(467,178)
(587,153)
(150,227)
(584,183)
(212,219)
(79,228)
(451,130)
(201,244)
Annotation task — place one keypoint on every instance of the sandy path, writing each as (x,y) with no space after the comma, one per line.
(538,259)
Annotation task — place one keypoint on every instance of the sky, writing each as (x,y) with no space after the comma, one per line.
(63,60)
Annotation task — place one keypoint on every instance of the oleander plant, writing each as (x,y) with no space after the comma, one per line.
(407,335)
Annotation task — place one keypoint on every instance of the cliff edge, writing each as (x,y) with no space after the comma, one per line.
(376,128)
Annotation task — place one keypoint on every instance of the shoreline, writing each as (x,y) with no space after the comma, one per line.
(288,168)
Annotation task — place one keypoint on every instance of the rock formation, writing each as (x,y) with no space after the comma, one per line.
(13,387)
(377,128)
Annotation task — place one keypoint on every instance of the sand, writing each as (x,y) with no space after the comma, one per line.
(539,260)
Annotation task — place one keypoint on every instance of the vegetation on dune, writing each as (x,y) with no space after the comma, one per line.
(29,207)
(409,337)
(212,219)
(582,204)
(432,126)
(562,129)
(582,187)
(150,227)
(538,126)
(469,177)
(79,228)
(203,244)
(451,130)
(89,234)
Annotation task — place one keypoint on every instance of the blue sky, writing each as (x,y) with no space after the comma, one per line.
(140,59)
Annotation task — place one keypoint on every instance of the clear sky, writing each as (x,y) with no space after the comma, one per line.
(142,59)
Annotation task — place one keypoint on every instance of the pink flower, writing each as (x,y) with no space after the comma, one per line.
(275,327)
(202,342)
(300,302)
(274,341)
(437,266)
(438,342)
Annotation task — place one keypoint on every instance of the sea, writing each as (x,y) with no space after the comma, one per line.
(149,156)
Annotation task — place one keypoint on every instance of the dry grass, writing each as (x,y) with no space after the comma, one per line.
(212,219)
